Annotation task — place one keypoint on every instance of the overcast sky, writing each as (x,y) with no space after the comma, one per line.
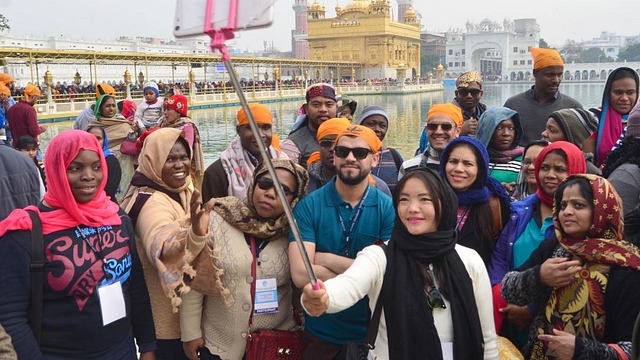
(96,19)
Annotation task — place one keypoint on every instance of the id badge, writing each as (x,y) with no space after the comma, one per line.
(111,303)
(266,301)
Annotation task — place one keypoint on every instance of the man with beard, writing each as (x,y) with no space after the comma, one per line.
(468,96)
(538,103)
(23,119)
(336,222)
(321,165)
(443,125)
(321,106)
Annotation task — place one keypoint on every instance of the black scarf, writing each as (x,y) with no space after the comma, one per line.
(410,325)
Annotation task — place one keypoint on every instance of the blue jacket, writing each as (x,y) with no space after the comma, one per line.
(502,257)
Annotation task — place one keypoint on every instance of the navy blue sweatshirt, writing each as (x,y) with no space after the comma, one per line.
(72,326)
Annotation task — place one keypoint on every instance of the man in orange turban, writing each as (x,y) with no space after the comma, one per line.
(6,101)
(23,119)
(536,104)
(231,174)
(444,122)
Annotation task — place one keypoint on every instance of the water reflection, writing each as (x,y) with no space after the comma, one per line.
(407,113)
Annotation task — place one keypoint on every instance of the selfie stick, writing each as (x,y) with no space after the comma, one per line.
(217,43)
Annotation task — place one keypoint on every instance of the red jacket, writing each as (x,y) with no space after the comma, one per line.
(23,120)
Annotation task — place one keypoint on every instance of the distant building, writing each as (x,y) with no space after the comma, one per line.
(499,52)
(610,43)
(299,45)
(364,32)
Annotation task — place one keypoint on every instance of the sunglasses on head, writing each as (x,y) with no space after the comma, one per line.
(266,183)
(434,127)
(343,151)
(327,143)
(465,92)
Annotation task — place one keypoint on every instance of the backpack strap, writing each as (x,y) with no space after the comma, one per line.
(397,159)
(374,322)
(37,275)
(134,208)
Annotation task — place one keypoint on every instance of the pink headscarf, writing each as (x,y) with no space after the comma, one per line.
(576,164)
(67,213)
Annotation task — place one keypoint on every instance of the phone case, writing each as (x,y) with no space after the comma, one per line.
(251,14)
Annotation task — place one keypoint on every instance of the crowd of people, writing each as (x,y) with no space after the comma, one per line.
(511,234)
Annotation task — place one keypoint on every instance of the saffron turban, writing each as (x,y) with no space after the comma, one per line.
(4,90)
(545,57)
(5,78)
(364,133)
(333,126)
(31,90)
(104,89)
(261,114)
(449,110)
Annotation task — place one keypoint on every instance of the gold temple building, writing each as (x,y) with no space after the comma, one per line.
(364,32)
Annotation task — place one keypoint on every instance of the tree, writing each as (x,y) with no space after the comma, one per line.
(428,60)
(630,53)
(4,24)
(593,55)
(543,44)
(571,51)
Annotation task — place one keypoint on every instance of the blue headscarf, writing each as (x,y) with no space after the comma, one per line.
(105,144)
(487,124)
(484,186)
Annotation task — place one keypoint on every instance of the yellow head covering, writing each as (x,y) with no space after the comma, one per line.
(261,114)
(364,133)
(31,90)
(5,78)
(467,78)
(545,57)
(333,126)
(449,110)
(4,89)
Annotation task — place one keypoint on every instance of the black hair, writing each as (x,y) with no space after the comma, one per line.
(104,101)
(25,141)
(624,73)
(583,186)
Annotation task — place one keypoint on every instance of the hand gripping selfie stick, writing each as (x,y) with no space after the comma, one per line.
(217,43)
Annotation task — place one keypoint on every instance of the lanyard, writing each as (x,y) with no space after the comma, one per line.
(353,220)
(89,242)
(462,218)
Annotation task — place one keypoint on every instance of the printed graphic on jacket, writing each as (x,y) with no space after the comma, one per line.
(77,270)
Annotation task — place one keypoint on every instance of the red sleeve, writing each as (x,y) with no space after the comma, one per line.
(32,123)
(594,136)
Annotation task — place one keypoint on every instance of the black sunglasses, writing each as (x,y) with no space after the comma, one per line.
(434,127)
(435,299)
(359,153)
(327,143)
(465,92)
(266,183)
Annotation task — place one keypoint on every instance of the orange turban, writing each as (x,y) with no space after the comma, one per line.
(5,78)
(449,110)
(31,90)
(261,114)
(104,89)
(364,133)
(545,57)
(4,89)
(333,126)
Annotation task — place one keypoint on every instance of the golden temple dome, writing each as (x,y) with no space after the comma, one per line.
(316,6)
(358,5)
(439,67)
(410,13)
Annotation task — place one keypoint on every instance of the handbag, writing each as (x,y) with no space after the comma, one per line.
(128,146)
(359,350)
(264,344)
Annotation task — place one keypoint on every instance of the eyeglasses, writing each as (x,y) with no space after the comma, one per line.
(266,183)
(434,127)
(464,92)
(358,153)
(435,299)
(327,143)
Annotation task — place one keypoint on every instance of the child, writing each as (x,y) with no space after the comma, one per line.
(29,146)
(150,110)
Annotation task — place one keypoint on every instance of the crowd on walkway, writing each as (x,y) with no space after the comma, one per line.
(511,234)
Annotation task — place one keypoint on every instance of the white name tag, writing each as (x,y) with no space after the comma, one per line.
(447,350)
(111,303)
(266,301)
